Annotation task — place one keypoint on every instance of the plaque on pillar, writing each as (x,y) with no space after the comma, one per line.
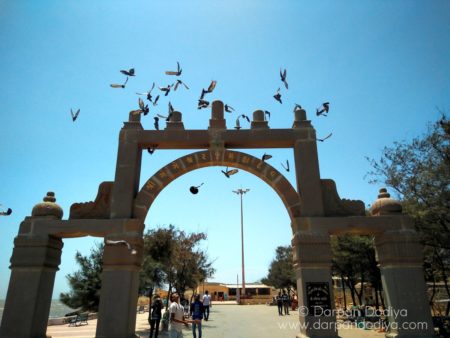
(318,298)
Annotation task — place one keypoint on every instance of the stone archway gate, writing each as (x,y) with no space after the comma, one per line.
(119,211)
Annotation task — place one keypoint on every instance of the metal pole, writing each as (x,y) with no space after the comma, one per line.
(241,192)
(242,248)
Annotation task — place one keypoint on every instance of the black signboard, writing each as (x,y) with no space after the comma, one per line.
(318,298)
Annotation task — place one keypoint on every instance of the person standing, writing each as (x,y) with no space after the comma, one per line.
(206,304)
(280,304)
(285,299)
(154,317)
(196,311)
(176,318)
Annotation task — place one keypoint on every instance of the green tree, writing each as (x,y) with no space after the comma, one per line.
(159,247)
(281,273)
(419,172)
(174,257)
(85,283)
(191,264)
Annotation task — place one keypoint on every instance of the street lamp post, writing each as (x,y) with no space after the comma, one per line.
(241,192)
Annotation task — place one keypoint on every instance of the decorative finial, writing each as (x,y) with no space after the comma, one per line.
(385,205)
(48,207)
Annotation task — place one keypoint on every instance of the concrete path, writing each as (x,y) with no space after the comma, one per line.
(230,321)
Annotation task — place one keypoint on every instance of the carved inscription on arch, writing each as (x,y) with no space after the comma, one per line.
(185,164)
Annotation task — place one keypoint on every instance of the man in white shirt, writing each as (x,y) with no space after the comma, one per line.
(176,317)
(206,304)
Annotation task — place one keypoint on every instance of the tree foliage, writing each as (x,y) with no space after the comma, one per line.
(281,273)
(174,257)
(170,257)
(419,172)
(85,284)
(354,262)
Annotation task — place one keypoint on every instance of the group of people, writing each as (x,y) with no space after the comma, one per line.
(198,310)
(283,303)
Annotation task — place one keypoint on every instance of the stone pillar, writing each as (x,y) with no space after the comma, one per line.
(399,253)
(312,263)
(120,285)
(175,122)
(259,121)
(34,263)
(299,117)
(217,120)
(401,263)
(128,169)
(308,174)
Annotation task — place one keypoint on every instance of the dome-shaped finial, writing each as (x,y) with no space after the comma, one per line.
(48,207)
(385,205)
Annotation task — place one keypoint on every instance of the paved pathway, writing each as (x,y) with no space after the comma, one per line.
(230,321)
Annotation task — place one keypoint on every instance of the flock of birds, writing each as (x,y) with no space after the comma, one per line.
(153,99)
(202,101)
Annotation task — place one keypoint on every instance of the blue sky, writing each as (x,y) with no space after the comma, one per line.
(382,65)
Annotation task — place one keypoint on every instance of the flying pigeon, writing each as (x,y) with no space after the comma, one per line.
(163,117)
(179,82)
(267,113)
(228,173)
(177,73)
(287,166)
(323,139)
(120,242)
(166,90)
(74,116)
(194,190)
(156,123)
(323,110)
(6,213)
(245,117)
(149,93)
(171,110)
(283,78)
(170,113)
(238,124)
(211,87)
(202,104)
(266,157)
(129,72)
(155,103)
(152,149)
(114,85)
(277,96)
(229,109)
(143,109)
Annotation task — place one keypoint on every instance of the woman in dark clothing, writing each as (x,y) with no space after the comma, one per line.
(154,316)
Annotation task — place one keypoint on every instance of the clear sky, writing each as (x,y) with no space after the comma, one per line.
(382,65)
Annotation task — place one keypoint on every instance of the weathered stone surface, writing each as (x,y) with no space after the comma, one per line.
(185,164)
(335,206)
(100,208)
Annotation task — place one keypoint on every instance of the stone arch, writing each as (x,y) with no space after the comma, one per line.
(201,159)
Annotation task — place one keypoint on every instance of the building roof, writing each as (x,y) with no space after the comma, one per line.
(249,285)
